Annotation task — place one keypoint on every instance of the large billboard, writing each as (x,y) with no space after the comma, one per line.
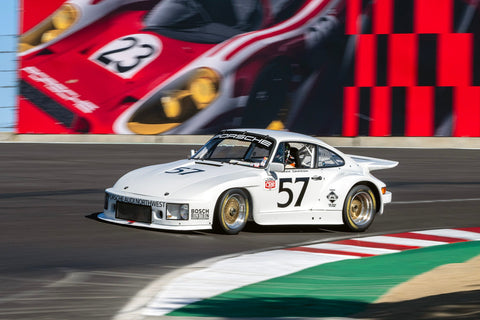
(321,67)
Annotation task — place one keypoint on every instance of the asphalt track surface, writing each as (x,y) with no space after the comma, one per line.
(58,262)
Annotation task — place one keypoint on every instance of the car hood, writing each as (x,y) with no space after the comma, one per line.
(177,179)
(73,62)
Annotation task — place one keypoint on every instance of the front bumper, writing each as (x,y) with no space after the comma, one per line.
(147,212)
(178,227)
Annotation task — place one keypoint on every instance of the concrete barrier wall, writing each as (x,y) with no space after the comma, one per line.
(380,142)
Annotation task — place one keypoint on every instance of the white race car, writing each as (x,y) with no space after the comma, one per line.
(269,177)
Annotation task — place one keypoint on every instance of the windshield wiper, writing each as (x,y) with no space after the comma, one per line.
(204,162)
(243,163)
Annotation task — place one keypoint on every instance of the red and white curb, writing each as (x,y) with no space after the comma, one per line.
(235,272)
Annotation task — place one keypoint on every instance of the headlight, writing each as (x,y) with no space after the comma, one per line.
(177,211)
(204,87)
(173,107)
(50,28)
(201,90)
(65,17)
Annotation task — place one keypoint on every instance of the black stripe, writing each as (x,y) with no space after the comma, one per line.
(382,59)
(403,16)
(427,59)
(348,64)
(443,111)
(366,4)
(364,112)
(476,60)
(47,104)
(458,14)
(398,111)
(367,16)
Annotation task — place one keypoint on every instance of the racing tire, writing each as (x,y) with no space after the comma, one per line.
(232,211)
(268,95)
(359,208)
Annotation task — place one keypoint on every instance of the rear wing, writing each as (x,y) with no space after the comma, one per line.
(372,164)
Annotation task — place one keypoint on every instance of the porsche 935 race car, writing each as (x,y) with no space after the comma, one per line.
(269,177)
(169,66)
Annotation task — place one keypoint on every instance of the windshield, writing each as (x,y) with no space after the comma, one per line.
(237,148)
(204,21)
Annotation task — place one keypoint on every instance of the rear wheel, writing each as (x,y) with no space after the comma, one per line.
(233,209)
(359,208)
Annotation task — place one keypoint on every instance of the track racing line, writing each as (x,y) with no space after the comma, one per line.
(335,279)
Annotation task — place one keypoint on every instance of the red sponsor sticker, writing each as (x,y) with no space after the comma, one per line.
(270,184)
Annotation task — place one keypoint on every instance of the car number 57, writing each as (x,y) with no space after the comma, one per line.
(283,187)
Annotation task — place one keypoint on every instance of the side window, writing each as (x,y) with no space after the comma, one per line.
(306,156)
(296,155)
(328,159)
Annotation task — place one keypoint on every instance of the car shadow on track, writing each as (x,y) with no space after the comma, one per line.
(251,227)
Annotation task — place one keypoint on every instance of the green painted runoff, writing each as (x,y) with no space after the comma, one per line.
(336,289)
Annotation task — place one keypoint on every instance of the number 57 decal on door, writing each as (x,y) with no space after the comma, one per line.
(284,187)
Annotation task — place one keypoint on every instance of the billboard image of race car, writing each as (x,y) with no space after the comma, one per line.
(170,66)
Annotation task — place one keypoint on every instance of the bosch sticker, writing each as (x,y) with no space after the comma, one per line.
(200,214)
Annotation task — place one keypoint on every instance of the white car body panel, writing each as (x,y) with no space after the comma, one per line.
(290,197)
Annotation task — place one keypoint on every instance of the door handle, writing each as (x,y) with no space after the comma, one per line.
(317,178)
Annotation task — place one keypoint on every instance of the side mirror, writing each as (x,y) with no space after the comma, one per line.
(276,167)
(192,152)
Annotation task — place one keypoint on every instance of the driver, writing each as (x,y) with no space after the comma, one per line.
(291,156)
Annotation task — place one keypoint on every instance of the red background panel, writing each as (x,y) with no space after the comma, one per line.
(420,111)
(350,111)
(380,112)
(433,16)
(455,65)
(403,57)
(353,11)
(466,108)
(383,17)
(366,60)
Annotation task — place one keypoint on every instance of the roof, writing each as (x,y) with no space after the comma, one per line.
(281,135)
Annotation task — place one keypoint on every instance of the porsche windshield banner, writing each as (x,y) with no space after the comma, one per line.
(320,67)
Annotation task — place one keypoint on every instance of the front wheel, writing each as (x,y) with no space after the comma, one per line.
(359,208)
(231,214)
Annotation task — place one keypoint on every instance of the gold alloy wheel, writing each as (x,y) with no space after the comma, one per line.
(361,208)
(233,211)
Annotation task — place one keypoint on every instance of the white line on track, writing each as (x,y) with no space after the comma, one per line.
(402,241)
(350,248)
(434,201)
